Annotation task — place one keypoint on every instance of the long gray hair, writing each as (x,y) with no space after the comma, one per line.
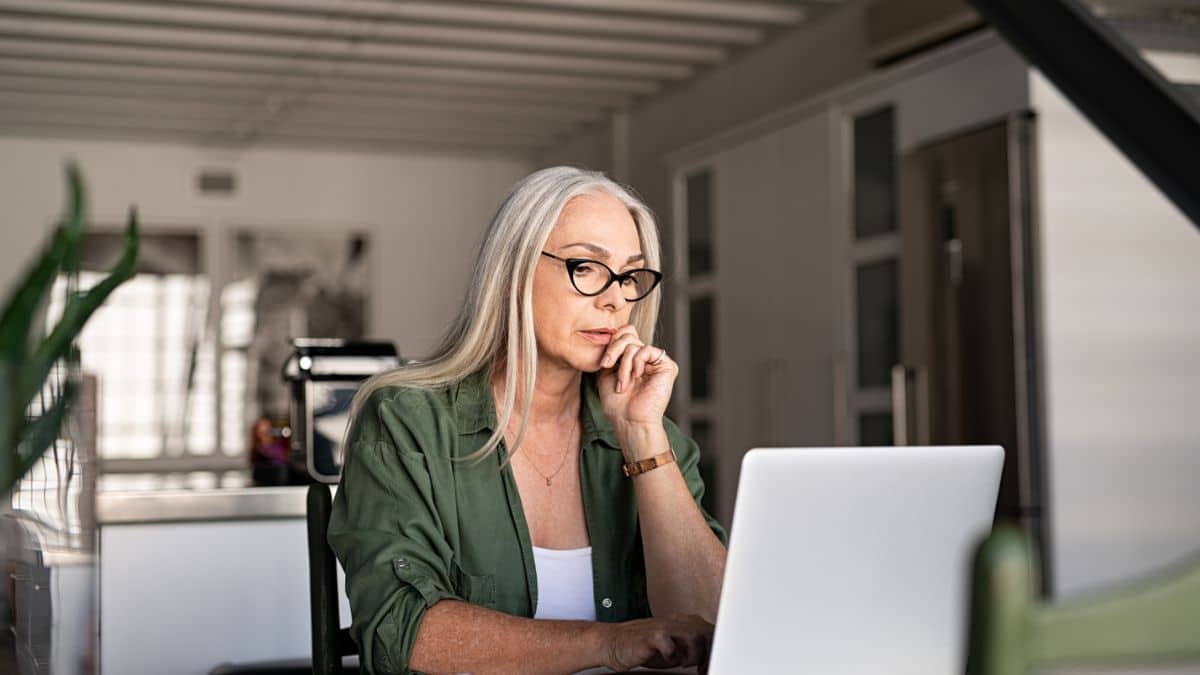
(496,320)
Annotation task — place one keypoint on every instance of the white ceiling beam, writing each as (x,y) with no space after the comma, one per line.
(383,134)
(745,11)
(217,123)
(177,91)
(553,22)
(84,128)
(335,48)
(387,124)
(236,116)
(147,74)
(398,142)
(263,22)
(19,95)
(23,45)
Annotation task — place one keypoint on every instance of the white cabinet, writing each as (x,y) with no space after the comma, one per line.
(190,579)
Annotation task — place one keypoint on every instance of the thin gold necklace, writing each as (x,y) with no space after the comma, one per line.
(561,463)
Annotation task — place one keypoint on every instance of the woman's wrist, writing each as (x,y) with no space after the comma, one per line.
(642,440)
(596,646)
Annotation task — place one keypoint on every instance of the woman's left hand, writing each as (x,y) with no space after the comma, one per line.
(635,381)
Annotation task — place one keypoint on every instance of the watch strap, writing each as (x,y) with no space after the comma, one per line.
(642,466)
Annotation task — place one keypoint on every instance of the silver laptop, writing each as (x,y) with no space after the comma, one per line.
(853,560)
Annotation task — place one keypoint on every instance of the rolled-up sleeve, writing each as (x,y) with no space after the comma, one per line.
(388,536)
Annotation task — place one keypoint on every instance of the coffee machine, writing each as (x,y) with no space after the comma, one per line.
(323,375)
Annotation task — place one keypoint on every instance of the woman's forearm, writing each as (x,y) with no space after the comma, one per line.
(457,637)
(685,561)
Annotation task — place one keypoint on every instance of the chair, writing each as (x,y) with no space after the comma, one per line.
(330,642)
(1012,632)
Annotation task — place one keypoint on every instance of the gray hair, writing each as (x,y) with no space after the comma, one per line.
(496,320)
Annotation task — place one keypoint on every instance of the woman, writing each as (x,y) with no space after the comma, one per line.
(515,542)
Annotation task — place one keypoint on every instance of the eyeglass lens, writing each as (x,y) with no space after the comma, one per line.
(591,278)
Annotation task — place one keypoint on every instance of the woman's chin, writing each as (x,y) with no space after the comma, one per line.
(588,364)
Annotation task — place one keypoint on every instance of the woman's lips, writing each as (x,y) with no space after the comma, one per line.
(600,337)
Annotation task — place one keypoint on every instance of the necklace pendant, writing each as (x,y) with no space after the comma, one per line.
(547,482)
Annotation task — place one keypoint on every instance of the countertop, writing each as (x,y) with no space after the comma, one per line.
(216,504)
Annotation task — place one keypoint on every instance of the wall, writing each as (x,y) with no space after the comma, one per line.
(790,67)
(774,312)
(783,253)
(1121,317)
(425,213)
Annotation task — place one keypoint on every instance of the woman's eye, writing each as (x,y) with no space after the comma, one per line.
(584,270)
(628,282)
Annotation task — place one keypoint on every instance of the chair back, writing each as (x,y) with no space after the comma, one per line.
(330,642)
(1013,632)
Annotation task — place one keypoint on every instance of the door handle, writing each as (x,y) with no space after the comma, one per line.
(910,410)
(900,405)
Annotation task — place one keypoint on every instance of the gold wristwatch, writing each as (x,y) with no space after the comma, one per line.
(642,466)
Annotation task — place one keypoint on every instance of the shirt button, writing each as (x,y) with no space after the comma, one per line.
(607,603)
(401,563)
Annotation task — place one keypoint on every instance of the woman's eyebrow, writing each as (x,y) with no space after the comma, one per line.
(601,252)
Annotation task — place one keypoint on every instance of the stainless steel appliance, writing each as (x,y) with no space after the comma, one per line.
(323,375)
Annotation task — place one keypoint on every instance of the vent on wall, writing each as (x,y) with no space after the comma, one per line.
(216,183)
(897,29)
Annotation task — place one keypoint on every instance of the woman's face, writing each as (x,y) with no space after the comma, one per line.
(573,329)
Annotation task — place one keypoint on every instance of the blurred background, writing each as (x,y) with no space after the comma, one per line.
(884,224)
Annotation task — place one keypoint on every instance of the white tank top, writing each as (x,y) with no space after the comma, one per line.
(564,582)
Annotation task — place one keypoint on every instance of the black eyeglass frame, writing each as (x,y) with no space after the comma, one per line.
(572,263)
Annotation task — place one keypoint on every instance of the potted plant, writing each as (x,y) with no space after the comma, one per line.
(36,363)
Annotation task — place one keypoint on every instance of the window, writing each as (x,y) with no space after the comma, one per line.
(875,174)
(185,361)
(699,224)
(148,349)
(874,275)
(695,272)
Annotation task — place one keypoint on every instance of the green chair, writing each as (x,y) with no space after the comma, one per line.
(1013,632)
(330,642)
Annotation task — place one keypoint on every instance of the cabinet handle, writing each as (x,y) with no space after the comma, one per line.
(900,405)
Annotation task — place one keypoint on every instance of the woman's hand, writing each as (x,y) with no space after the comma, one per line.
(675,642)
(635,381)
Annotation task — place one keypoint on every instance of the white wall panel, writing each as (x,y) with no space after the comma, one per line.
(1121,315)
(774,325)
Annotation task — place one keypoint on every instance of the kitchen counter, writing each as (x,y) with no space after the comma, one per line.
(223,504)
(193,577)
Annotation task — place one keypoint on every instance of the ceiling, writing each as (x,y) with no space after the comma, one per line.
(508,76)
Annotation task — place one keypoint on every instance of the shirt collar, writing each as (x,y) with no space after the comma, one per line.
(475,411)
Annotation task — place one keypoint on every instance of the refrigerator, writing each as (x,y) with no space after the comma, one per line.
(968,371)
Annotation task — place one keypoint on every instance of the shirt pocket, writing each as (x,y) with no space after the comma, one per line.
(477,589)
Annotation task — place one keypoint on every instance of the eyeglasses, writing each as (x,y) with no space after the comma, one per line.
(592,277)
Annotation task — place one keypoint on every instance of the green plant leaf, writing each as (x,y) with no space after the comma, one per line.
(40,435)
(11,416)
(21,308)
(58,343)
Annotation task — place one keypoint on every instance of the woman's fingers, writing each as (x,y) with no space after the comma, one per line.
(646,359)
(660,643)
(666,647)
(629,356)
(621,339)
(625,371)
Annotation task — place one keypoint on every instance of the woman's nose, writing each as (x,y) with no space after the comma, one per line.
(612,298)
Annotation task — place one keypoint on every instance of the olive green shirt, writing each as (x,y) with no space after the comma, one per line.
(412,526)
